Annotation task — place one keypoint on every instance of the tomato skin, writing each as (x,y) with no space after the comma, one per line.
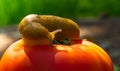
(23,58)
(86,56)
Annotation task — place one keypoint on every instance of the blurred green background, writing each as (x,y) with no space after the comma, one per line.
(12,11)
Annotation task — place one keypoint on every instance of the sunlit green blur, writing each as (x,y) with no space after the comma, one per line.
(12,11)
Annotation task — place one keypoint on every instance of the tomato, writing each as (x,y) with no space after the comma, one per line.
(36,52)
(79,57)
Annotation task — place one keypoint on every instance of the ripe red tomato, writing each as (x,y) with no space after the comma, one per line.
(86,56)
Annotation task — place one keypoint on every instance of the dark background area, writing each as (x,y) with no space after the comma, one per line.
(99,20)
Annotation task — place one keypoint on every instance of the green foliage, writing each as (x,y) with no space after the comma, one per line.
(116,68)
(12,11)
